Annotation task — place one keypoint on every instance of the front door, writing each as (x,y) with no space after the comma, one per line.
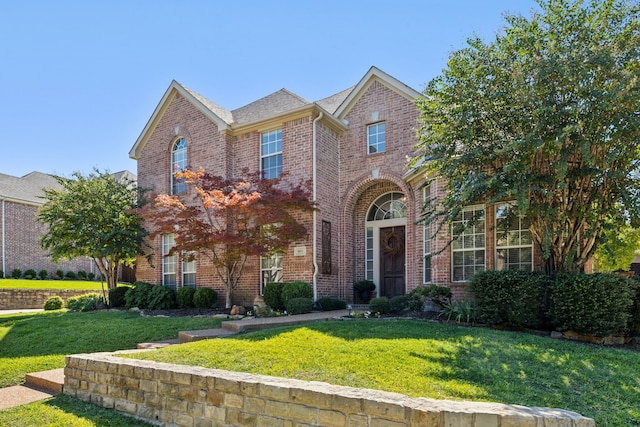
(392,256)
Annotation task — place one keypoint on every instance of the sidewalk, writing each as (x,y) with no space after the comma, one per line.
(46,384)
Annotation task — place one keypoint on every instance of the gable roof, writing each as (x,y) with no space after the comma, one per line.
(27,189)
(271,107)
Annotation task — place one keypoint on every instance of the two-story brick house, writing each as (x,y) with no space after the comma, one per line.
(354,146)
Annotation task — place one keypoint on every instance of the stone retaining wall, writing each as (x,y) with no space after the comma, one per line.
(13,299)
(179,395)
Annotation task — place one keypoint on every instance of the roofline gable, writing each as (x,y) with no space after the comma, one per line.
(173,89)
(375,74)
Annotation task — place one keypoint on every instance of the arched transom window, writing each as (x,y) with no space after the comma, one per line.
(388,206)
(178,163)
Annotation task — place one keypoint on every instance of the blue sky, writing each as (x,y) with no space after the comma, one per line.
(81,78)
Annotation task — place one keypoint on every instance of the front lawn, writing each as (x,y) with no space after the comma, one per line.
(75,285)
(425,359)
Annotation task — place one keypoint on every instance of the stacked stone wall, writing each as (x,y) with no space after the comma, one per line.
(14,299)
(191,396)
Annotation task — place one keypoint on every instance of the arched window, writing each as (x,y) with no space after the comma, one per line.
(388,206)
(178,163)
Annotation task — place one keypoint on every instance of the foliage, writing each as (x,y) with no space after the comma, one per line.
(600,304)
(398,303)
(263,311)
(53,303)
(634,325)
(547,116)
(618,249)
(59,274)
(231,219)
(16,273)
(93,216)
(82,275)
(71,275)
(330,304)
(91,276)
(117,296)
(30,274)
(138,295)
(205,297)
(161,298)
(364,286)
(85,302)
(299,305)
(459,311)
(43,274)
(1,274)
(440,295)
(292,290)
(273,295)
(185,297)
(510,297)
(380,305)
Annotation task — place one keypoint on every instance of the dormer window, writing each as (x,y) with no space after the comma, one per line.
(178,163)
(377,138)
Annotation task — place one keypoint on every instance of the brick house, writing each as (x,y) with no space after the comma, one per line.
(354,145)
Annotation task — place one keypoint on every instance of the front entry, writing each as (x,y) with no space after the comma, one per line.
(392,261)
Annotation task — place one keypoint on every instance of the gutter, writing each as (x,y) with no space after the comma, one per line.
(315,192)
(3,239)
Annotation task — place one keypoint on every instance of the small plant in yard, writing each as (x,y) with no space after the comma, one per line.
(82,275)
(381,304)
(71,275)
(43,274)
(329,304)
(273,295)
(91,276)
(85,302)
(185,297)
(205,297)
(299,305)
(16,273)
(30,274)
(59,274)
(53,303)
(117,296)
(461,311)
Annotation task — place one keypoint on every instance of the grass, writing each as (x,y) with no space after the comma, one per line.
(52,284)
(438,361)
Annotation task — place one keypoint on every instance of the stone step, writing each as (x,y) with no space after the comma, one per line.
(50,381)
(204,334)
(158,344)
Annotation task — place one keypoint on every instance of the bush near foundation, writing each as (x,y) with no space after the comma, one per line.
(292,290)
(380,305)
(299,305)
(152,297)
(205,297)
(53,303)
(330,304)
(273,295)
(117,296)
(185,297)
(85,302)
(600,304)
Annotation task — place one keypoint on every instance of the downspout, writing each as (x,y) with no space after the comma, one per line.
(3,239)
(315,225)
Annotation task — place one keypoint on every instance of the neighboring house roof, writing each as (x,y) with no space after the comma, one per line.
(270,107)
(27,189)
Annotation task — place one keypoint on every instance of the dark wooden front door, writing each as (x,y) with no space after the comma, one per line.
(392,256)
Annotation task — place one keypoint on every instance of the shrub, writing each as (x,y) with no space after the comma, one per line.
(85,302)
(59,274)
(364,286)
(273,295)
(138,295)
(510,297)
(16,273)
(185,297)
(82,275)
(70,275)
(600,304)
(460,311)
(417,298)
(330,304)
(161,298)
(635,312)
(91,276)
(1,274)
(398,303)
(299,305)
(205,297)
(380,305)
(117,296)
(30,274)
(53,303)
(43,274)
(292,290)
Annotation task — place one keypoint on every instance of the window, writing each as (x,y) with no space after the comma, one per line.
(377,138)
(178,163)
(388,206)
(168,261)
(468,246)
(270,269)
(189,271)
(326,247)
(271,154)
(514,246)
(426,278)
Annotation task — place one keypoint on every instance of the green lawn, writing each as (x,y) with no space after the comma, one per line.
(437,361)
(51,284)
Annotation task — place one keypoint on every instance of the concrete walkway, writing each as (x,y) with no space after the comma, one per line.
(46,384)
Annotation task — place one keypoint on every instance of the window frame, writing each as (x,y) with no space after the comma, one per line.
(426,244)
(178,186)
(272,267)
(169,262)
(465,250)
(274,152)
(189,269)
(376,136)
(520,230)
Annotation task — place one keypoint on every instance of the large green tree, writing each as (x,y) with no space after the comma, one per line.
(93,216)
(547,115)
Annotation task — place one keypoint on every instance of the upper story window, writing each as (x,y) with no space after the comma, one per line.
(377,138)
(271,154)
(468,246)
(514,245)
(388,206)
(178,163)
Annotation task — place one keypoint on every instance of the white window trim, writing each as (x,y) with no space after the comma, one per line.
(484,248)
(275,153)
(174,183)
(495,236)
(188,267)
(168,260)
(369,127)
(426,242)
(272,269)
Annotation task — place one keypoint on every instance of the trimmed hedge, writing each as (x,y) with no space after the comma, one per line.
(380,305)
(512,298)
(152,297)
(330,304)
(53,303)
(273,295)
(117,296)
(185,297)
(205,297)
(600,304)
(292,290)
(416,299)
(299,305)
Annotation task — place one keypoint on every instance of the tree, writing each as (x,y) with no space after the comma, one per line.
(231,219)
(546,116)
(93,216)
(618,249)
